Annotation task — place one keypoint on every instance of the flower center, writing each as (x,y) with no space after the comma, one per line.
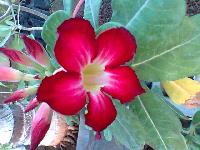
(93,77)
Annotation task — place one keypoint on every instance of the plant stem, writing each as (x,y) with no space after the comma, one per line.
(25,9)
(77,8)
(6,13)
(31,11)
(29,29)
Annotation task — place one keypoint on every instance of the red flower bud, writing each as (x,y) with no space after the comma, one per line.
(40,125)
(36,50)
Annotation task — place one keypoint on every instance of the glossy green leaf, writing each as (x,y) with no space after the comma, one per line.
(127,128)
(49,31)
(91,11)
(162,127)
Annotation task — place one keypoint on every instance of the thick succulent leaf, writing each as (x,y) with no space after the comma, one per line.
(167,40)
(5,33)
(91,11)
(162,127)
(138,15)
(175,56)
(127,128)
(49,32)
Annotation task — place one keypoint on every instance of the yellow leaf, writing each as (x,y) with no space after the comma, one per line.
(184,91)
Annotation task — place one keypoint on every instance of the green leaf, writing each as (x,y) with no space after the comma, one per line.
(196,139)
(196,118)
(107,25)
(156,25)
(5,147)
(91,12)
(7,18)
(107,134)
(4,61)
(68,6)
(162,127)
(71,120)
(176,56)
(1,84)
(17,43)
(158,92)
(21,85)
(127,129)
(141,14)
(49,32)
(193,142)
(5,33)
(4,29)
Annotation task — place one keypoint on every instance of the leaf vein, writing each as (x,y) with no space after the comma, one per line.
(137,13)
(167,51)
(148,116)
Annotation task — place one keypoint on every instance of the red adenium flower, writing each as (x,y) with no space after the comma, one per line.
(94,70)
(40,125)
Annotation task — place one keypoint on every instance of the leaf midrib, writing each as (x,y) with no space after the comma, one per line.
(132,139)
(137,13)
(166,51)
(148,116)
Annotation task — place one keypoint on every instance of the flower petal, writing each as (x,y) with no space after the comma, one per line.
(63,92)
(20,94)
(9,74)
(31,105)
(115,47)
(123,84)
(75,46)
(101,111)
(17,56)
(40,125)
(36,50)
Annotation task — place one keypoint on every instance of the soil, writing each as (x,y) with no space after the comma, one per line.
(193,7)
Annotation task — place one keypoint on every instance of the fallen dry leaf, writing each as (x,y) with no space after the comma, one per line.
(183,91)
